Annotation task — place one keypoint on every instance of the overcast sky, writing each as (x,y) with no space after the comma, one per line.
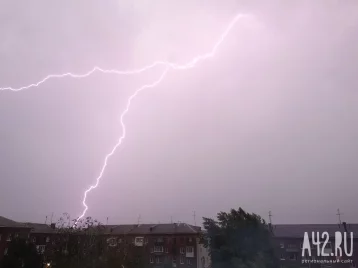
(269,123)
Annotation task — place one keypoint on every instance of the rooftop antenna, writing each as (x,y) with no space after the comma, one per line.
(194,216)
(339,216)
(270,215)
(51,217)
(46,220)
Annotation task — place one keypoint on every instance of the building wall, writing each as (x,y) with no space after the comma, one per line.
(161,250)
(9,233)
(203,258)
(289,251)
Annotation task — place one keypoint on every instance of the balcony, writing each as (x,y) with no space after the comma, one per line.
(158,249)
(189,252)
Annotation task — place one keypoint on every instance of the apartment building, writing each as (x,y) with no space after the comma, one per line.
(44,237)
(289,239)
(160,245)
(9,230)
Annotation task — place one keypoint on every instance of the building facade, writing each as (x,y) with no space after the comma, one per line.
(178,245)
(10,230)
(292,249)
(157,245)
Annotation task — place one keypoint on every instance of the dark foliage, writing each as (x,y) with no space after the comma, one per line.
(239,240)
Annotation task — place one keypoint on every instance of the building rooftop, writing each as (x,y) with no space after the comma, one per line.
(40,228)
(147,229)
(298,230)
(5,222)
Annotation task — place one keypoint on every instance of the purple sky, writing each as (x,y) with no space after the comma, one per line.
(270,123)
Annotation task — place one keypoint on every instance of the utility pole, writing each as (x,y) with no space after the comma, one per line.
(107,221)
(46,220)
(194,216)
(339,216)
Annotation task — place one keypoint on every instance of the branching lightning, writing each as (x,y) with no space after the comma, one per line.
(167,65)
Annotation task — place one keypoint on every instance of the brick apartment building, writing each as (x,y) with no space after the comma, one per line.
(9,230)
(158,245)
(289,239)
(174,244)
(177,245)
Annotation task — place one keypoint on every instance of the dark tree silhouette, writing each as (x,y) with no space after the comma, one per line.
(239,240)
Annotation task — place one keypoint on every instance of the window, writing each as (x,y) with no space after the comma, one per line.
(291,246)
(293,257)
(34,240)
(5,251)
(189,249)
(282,245)
(120,240)
(112,242)
(48,239)
(146,240)
(158,249)
(151,250)
(174,259)
(9,238)
(166,250)
(188,261)
(16,235)
(182,250)
(151,260)
(181,260)
(40,249)
(139,239)
(190,239)
(158,259)
(282,257)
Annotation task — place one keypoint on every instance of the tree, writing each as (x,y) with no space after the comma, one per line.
(21,253)
(78,243)
(239,240)
(87,243)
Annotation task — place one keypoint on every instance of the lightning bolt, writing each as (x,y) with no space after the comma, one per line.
(168,65)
